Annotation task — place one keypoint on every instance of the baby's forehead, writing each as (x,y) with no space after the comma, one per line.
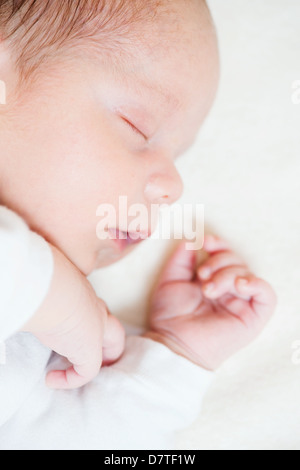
(112,27)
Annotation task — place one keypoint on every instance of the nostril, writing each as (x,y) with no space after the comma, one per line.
(164,188)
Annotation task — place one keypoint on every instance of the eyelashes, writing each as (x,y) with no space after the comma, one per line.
(134,129)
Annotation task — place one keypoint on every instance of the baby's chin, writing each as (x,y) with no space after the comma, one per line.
(108,256)
(118,246)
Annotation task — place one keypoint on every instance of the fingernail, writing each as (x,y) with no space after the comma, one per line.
(209,288)
(205,273)
(243,281)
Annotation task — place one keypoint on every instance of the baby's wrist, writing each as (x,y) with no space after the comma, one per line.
(173,346)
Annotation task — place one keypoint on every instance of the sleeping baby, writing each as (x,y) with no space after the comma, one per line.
(102,98)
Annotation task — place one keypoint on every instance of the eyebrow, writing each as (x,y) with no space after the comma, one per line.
(168,98)
(165,96)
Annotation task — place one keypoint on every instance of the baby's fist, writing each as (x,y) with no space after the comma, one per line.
(76,324)
(207,313)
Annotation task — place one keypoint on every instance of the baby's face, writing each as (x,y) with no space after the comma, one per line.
(91,132)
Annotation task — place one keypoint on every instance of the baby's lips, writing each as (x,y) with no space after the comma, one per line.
(130,237)
(138,236)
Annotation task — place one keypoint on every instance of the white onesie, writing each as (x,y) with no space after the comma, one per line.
(138,403)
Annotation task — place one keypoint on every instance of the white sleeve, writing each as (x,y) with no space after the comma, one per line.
(138,403)
(26,270)
(156,394)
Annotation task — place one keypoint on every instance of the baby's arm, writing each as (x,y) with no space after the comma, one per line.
(26,270)
(139,402)
(43,293)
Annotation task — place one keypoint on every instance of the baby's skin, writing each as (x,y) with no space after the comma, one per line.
(207,313)
(76,324)
(204,313)
(92,127)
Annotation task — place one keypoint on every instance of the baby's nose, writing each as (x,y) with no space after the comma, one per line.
(164,188)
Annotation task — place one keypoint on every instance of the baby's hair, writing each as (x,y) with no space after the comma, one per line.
(37,30)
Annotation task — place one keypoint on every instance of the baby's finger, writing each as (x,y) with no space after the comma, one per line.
(113,341)
(213,244)
(219,261)
(223,282)
(263,297)
(181,266)
(75,376)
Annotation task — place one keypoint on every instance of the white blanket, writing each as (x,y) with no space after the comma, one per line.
(245,169)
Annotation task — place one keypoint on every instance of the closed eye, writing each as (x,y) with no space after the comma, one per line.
(135,129)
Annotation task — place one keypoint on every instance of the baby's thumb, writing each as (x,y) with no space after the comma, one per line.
(181,266)
(113,341)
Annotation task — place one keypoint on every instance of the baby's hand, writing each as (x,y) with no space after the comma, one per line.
(208,313)
(76,324)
